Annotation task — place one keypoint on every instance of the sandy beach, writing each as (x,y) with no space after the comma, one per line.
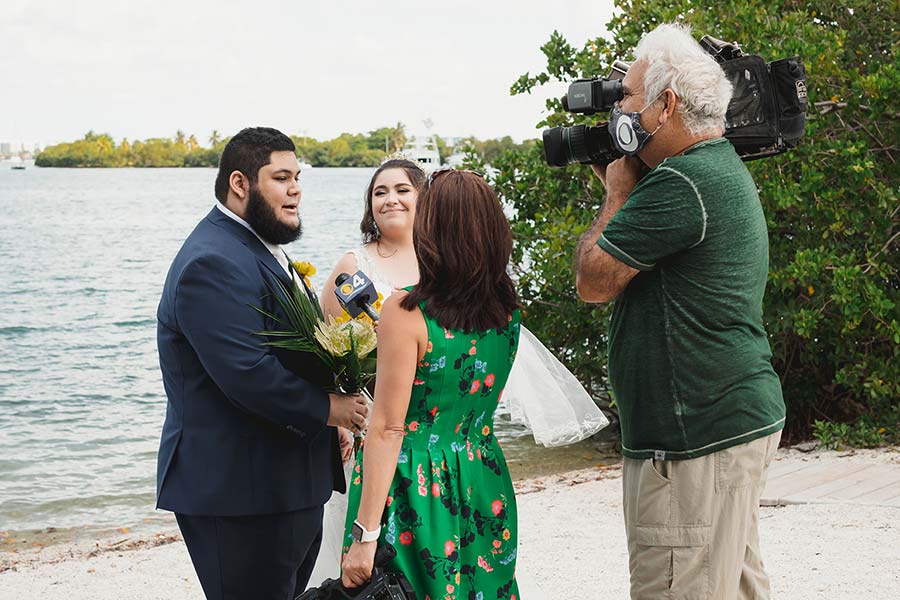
(572,545)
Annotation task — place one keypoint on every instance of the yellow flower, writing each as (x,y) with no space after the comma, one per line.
(506,534)
(304,268)
(335,337)
(377,304)
(365,318)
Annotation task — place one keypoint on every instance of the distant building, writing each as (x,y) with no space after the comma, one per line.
(5,148)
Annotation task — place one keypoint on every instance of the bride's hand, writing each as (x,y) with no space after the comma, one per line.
(346,440)
(357,566)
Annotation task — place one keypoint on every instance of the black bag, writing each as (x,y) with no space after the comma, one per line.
(384,585)
(751,121)
(789,86)
(767,112)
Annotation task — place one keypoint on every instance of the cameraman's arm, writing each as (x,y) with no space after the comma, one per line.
(599,276)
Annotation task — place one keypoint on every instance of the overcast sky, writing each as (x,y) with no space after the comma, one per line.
(148,68)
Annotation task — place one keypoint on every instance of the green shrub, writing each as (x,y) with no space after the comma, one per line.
(860,434)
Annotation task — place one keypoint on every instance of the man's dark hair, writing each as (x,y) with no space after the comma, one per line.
(248,152)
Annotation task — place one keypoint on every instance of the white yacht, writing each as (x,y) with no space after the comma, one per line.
(17,164)
(423,149)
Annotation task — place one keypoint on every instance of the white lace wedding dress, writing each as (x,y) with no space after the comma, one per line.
(541,394)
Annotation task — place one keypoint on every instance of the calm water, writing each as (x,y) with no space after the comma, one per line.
(83,255)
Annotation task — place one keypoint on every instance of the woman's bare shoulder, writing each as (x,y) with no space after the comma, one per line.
(349,257)
(348,262)
(396,313)
(402,323)
(392,303)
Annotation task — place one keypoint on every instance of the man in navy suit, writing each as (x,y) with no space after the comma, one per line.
(249,451)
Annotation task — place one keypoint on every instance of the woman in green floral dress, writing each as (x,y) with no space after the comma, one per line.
(431,468)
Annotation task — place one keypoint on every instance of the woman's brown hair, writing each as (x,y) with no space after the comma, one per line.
(463,245)
(416,177)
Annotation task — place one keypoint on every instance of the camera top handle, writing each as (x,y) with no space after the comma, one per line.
(720,50)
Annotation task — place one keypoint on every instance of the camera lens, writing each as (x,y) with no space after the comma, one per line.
(578,144)
(555,148)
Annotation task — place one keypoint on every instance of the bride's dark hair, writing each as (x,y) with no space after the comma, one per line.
(463,245)
(416,177)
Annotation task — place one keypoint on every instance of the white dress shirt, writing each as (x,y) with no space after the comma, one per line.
(275,249)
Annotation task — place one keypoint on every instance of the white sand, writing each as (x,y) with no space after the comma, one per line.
(572,546)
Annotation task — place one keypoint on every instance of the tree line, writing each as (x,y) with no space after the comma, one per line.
(182,150)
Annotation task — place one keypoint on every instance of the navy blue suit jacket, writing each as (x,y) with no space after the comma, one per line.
(245,430)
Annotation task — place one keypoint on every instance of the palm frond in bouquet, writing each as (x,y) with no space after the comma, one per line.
(347,349)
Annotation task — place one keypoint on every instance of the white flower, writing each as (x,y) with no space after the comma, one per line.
(335,337)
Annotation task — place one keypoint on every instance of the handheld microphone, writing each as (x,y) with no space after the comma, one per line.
(356,294)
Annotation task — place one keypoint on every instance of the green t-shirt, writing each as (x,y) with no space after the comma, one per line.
(689,361)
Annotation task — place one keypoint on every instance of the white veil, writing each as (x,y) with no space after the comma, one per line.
(544,396)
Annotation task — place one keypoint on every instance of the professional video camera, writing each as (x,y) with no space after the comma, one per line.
(766,115)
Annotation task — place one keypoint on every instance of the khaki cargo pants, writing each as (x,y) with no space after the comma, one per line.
(692,525)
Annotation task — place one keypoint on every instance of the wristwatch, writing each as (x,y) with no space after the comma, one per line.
(363,535)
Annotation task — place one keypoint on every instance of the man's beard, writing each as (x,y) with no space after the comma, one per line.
(262,218)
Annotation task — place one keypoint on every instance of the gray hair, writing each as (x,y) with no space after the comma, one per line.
(675,60)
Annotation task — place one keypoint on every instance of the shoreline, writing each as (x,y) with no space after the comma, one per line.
(525,459)
(51,546)
(144,530)
(571,543)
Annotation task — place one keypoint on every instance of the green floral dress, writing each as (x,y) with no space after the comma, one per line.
(451,509)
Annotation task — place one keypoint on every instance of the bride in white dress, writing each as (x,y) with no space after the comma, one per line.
(540,394)
(387,238)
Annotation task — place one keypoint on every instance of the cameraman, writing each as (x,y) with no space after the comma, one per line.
(683,249)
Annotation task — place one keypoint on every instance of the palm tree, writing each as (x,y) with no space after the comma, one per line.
(214,138)
(398,137)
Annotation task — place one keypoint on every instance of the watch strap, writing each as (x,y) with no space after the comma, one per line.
(363,535)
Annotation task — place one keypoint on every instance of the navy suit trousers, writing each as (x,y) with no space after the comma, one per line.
(264,557)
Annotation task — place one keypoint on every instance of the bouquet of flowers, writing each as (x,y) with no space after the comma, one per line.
(347,348)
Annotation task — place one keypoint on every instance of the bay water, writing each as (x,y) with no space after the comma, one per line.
(83,257)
